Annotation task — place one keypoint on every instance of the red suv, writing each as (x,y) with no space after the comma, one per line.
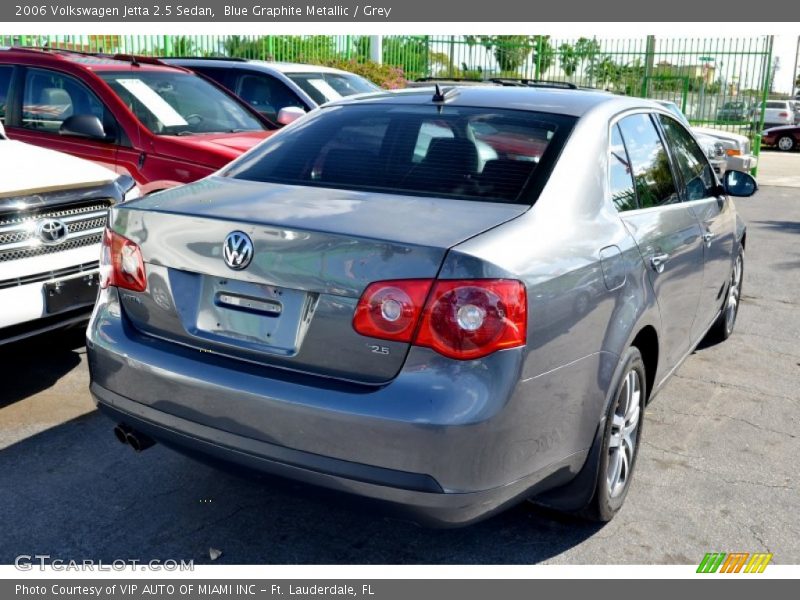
(162,125)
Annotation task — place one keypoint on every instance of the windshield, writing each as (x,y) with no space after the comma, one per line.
(324,87)
(458,152)
(174,103)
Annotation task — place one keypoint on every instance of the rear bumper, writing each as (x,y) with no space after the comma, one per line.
(445,442)
(414,496)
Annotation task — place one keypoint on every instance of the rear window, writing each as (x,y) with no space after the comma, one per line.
(459,152)
(776,105)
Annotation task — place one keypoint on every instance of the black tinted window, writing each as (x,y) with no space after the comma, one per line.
(266,94)
(619,174)
(469,153)
(50,97)
(649,162)
(5,83)
(698,178)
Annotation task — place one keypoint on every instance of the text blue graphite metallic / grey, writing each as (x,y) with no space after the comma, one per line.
(445,300)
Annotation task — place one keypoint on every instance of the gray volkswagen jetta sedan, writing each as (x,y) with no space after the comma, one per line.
(444,300)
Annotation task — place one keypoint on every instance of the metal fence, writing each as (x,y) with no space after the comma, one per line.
(717,82)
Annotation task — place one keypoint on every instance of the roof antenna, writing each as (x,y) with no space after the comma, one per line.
(438,96)
(134,62)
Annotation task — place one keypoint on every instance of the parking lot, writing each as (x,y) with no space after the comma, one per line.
(717,472)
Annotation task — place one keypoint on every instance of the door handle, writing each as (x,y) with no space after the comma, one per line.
(707,237)
(658,262)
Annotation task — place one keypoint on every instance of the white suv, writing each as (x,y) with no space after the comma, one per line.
(53,209)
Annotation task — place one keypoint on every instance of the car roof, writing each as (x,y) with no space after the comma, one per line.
(91,61)
(233,63)
(562,101)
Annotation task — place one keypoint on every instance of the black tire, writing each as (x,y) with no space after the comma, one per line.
(610,493)
(723,327)
(786,143)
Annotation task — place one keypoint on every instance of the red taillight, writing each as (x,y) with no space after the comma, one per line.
(462,319)
(121,263)
(472,318)
(783,114)
(390,310)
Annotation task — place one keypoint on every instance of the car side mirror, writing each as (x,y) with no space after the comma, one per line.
(84,126)
(290,114)
(737,183)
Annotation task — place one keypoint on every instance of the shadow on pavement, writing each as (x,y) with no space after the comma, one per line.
(789,226)
(31,373)
(75,493)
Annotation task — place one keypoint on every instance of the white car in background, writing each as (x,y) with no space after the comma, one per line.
(778,113)
(734,147)
(53,209)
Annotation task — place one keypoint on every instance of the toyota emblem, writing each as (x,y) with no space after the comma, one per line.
(237,250)
(51,231)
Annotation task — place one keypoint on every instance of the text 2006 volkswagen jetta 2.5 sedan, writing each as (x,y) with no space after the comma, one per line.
(447,301)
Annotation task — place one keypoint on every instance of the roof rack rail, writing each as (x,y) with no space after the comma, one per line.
(225,58)
(134,59)
(46,48)
(504,81)
(449,79)
(523,82)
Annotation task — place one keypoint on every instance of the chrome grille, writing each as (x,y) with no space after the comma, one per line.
(18,238)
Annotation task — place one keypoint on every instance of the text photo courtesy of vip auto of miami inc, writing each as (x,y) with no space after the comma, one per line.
(332,297)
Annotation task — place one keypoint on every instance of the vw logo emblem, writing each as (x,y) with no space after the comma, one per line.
(51,231)
(237,250)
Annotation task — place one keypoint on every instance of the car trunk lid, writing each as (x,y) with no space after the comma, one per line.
(315,251)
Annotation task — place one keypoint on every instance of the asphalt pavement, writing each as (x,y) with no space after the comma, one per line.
(717,470)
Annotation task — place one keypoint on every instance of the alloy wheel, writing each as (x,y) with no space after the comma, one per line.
(734,291)
(786,143)
(623,438)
